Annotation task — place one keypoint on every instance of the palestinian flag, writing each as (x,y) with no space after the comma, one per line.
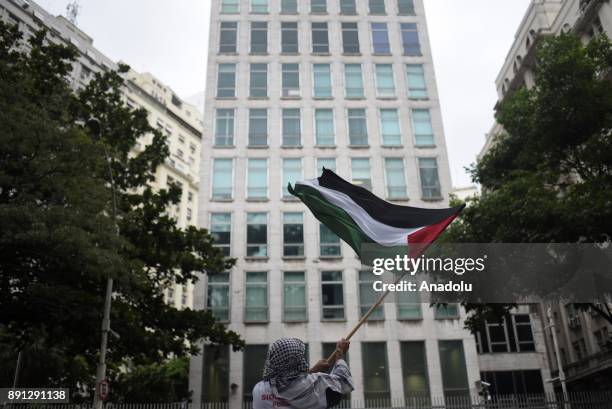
(357,216)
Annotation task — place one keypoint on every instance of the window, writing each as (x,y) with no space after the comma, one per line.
(254,358)
(320,38)
(375,374)
(385,81)
(256,297)
(377,6)
(230,6)
(513,335)
(291,80)
(258,87)
(357,127)
(318,6)
(258,127)
(324,127)
(322,81)
(368,297)
(226,81)
(430,183)
(408,305)
(294,296)
(410,39)
(523,332)
(292,172)
(259,6)
(259,37)
(380,38)
(348,7)
(454,372)
(514,382)
(216,385)
(332,295)
(221,231)
(405,7)
(329,242)
(423,131)
(224,127)
(390,127)
(289,6)
(293,234)
(289,37)
(350,38)
(222,179)
(360,171)
(353,79)
(414,369)
(257,178)
(228,37)
(257,235)
(327,163)
(291,127)
(217,301)
(448,311)
(396,179)
(417,87)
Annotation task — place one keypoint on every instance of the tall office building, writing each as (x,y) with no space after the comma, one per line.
(292,87)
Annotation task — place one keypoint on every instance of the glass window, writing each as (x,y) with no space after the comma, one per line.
(221,231)
(226,81)
(293,234)
(423,131)
(216,384)
(367,296)
(348,7)
(257,235)
(385,80)
(327,163)
(257,178)
(217,301)
(417,87)
(430,183)
(228,37)
(396,178)
(291,80)
(350,38)
(318,6)
(322,81)
(524,334)
(259,37)
(254,358)
(357,126)
(324,126)
(289,37)
(329,242)
(256,296)
(258,81)
(332,295)
(320,38)
(375,374)
(289,6)
(390,127)
(377,6)
(294,296)
(224,127)
(291,127)
(406,7)
(408,305)
(222,179)
(230,6)
(380,38)
(292,172)
(360,171)
(259,6)
(454,372)
(353,79)
(414,369)
(410,39)
(258,127)
(446,311)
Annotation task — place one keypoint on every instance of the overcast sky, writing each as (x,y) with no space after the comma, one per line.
(469,41)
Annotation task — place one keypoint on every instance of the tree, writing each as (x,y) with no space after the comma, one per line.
(58,242)
(550,172)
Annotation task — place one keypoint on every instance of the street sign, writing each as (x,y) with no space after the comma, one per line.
(103,389)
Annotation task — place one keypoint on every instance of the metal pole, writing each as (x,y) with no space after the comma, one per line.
(551,324)
(17,370)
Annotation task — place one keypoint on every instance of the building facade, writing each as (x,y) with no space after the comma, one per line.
(292,87)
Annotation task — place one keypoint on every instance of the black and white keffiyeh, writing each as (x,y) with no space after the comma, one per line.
(285,362)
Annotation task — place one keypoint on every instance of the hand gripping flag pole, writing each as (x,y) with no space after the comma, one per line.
(359,217)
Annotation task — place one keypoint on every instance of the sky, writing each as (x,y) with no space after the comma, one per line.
(469,41)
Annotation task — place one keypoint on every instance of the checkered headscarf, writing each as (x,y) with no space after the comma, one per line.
(286,361)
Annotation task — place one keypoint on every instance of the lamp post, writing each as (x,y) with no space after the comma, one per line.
(553,332)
